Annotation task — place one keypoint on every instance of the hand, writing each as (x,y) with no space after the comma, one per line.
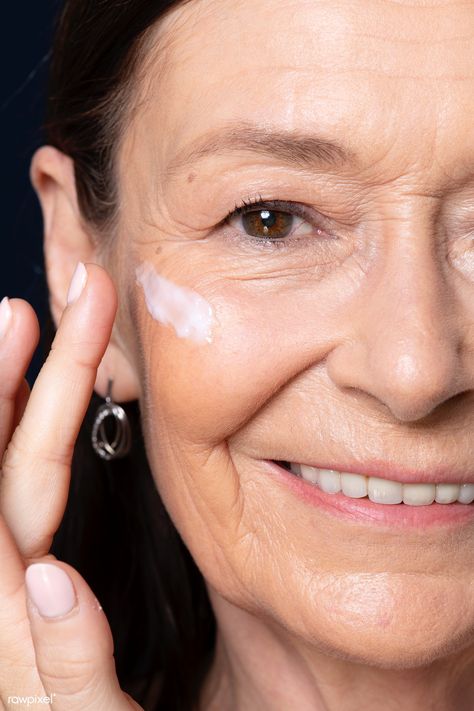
(69,656)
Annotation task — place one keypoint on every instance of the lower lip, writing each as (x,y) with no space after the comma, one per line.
(366,511)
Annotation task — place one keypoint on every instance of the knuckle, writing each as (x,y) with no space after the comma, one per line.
(15,453)
(82,352)
(71,677)
(22,449)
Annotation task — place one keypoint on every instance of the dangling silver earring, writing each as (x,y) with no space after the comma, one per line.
(121,444)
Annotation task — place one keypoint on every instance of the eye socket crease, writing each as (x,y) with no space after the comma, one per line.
(296,149)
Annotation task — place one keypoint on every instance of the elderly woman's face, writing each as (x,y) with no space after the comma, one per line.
(342,308)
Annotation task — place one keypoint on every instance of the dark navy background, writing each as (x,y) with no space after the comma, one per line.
(26,31)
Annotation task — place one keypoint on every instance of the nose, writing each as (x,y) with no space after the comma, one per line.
(406,343)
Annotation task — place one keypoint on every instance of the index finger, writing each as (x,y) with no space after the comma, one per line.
(36,467)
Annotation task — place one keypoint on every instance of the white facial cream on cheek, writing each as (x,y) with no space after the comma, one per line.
(186,311)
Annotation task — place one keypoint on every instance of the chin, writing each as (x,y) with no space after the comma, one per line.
(414,631)
(392,621)
(395,652)
(400,655)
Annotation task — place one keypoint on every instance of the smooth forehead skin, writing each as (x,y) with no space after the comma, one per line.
(312,362)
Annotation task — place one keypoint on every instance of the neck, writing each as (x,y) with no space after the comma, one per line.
(258,665)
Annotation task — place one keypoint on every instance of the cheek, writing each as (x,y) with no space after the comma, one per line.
(185,311)
(198,394)
(261,318)
(260,340)
(249,544)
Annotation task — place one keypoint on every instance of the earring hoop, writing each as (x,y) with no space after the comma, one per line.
(121,444)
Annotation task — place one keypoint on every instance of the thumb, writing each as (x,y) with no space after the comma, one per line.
(72,640)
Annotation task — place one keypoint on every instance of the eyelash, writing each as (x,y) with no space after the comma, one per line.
(292,208)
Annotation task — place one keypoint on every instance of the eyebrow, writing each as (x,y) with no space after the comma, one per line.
(294,148)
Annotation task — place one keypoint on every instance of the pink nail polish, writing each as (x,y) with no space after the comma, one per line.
(5,316)
(50,589)
(78,283)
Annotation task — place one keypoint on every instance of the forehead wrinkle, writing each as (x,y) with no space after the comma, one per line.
(293,147)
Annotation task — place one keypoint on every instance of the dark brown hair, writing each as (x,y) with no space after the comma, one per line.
(97,49)
(116,531)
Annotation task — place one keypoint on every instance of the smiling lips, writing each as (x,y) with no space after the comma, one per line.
(382,491)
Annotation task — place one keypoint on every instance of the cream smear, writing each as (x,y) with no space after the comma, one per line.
(186,311)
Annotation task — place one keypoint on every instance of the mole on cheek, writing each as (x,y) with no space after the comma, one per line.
(187,312)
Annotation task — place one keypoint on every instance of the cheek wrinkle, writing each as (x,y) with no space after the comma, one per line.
(186,311)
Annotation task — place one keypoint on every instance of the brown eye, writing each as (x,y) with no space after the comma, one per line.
(267,223)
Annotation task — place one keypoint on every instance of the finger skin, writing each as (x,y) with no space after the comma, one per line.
(74,654)
(36,467)
(21,401)
(18,674)
(16,350)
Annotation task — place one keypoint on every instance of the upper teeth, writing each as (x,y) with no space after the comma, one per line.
(384,491)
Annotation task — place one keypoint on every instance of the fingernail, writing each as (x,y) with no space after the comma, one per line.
(78,283)
(50,589)
(5,316)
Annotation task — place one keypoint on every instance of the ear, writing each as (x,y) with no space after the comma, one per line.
(68,240)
